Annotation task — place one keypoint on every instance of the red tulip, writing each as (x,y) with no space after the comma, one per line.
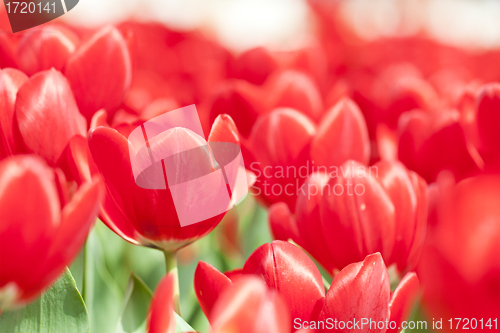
(408,193)
(460,266)
(161,318)
(100,72)
(148,216)
(282,266)
(343,216)
(47,115)
(46,47)
(209,283)
(41,225)
(488,118)
(10,82)
(249,306)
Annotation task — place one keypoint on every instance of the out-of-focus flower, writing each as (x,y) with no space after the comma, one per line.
(144,216)
(249,306)
(100,72)
(283,266)
(287,147)
(341,218)
(460,266)
(432,142)
(46,47)
(41,225)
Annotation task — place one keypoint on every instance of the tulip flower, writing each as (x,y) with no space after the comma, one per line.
(142,216)
(360,290)
(283,267)
(46,47)
(249,306)
(460,265)
(41,225)
(44,119)
(343,217)
(100,72)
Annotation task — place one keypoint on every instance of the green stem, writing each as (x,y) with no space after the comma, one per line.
(171,265)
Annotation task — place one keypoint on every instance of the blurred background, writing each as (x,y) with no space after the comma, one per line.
(285,24)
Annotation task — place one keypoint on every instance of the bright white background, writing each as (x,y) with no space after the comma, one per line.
(241,24)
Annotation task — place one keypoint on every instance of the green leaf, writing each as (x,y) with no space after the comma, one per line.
(135,306)
(181,326)
(102,294)
(60,309)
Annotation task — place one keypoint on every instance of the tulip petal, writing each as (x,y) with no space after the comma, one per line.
(403,300)
(309,225)
(46,47)
(241,100)
(100,72)
(360,290)
(296,90)
(282,223)
(250,307)
(488,116)
(28,195)
(358,215)
(342,135)
(47,114)
(280,140)
(161,317)
(224,130)
(209,283)
(10,82)
(110,153)
(289,270)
